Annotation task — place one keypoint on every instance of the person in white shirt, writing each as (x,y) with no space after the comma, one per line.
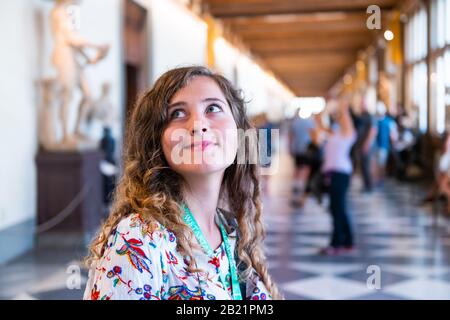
(338,168)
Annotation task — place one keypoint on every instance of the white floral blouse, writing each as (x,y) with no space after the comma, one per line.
(143,264)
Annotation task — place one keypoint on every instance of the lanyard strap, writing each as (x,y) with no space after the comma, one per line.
(190,220)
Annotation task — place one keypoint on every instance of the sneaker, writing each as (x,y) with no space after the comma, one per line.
(329,251)
(348,249)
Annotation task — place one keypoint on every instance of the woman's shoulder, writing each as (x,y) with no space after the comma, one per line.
(256,289)
(134,226)
(131,264)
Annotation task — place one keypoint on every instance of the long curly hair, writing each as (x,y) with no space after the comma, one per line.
(150,187)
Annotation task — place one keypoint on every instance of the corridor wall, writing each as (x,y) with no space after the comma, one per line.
(176,37)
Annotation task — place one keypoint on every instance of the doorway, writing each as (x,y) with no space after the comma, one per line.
(135,54)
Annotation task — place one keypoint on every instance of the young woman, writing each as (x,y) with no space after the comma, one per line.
(183,229)
(338,168)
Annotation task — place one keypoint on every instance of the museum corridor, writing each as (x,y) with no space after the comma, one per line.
(352,103)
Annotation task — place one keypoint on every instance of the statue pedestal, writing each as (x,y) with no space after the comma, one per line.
(70,191)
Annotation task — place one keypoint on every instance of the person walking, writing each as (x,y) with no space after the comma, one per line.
(338,169)
(299,140)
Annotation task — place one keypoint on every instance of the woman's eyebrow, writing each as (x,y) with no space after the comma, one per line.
(177,104)
(213,99)
(183,103)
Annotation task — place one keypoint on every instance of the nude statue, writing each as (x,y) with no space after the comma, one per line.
(71,55)
(102,108)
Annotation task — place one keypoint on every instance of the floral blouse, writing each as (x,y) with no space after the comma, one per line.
(143,264)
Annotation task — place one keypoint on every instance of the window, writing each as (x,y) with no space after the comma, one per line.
(416,51)
(416,37)
(442,89)
(419,94)
(440,79)
(447,21)
(438,23)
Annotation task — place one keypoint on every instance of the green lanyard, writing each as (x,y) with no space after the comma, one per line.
(190,220)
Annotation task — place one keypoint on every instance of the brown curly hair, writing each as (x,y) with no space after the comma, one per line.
(149,186)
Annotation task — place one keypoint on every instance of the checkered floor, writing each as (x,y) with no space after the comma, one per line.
(400,253)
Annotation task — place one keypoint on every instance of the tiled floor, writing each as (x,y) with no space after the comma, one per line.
(48,271)
(395,240)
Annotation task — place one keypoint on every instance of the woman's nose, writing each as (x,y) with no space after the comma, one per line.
(197,125)
(201,128)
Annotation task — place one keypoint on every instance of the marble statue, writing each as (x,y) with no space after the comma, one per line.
(72,54)
(102,109)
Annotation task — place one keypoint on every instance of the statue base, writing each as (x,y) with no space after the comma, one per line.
(70,191)
(72,143)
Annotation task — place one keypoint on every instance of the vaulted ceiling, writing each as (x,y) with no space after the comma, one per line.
(308,44)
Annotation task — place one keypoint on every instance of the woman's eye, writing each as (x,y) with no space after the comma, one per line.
(214,108)
(176,114)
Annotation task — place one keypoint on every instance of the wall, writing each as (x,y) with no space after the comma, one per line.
(17,113)
(262,91)
(177,37)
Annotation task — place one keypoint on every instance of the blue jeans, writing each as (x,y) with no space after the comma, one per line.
(342,232)
(365,169)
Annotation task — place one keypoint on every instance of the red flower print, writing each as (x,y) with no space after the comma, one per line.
(95,294)
(215,261)
(136,255)
(117,270)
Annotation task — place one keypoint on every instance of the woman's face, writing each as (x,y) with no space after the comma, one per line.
(201,135)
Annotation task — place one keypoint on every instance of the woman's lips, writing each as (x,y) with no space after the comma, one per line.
(202,145)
